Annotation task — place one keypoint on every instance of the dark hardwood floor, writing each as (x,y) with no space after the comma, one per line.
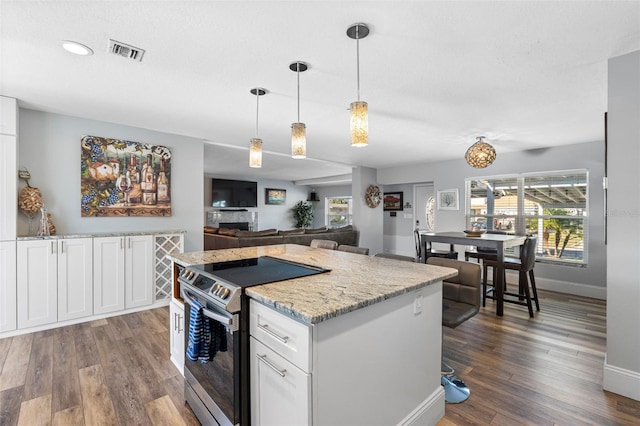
(541,371)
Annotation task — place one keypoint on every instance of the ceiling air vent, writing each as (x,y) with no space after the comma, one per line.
(126,50)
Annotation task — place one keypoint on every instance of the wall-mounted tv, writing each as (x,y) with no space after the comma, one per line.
(234,193)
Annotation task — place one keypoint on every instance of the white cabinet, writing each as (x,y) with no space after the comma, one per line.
(122,273)
(37,282)
(8,167)
(139,262)
(280,368)
(280,391)
(75,278)
(108,274)
(7,286)
(176,320)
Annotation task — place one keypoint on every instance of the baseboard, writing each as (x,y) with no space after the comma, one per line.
(566,287)
(429,412)
(49,326)
(621,381)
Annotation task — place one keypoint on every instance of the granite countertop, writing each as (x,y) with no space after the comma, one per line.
(96,234)
(355,280)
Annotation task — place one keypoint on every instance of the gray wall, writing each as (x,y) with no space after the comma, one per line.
(49,148)
(398,229)
(589,280)
(622,368)
(269,216)
(367,220)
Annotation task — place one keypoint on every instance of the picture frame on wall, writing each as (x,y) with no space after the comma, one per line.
(448,199)
(275,196)
(392,201)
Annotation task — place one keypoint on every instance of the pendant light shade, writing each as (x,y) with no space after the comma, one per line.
(255,145)
(480,154)
(255,153)
(298,130)
(359,109)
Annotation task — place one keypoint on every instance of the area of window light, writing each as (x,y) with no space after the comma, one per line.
(76,48)
(561,185)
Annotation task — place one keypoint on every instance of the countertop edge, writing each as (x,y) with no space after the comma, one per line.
(96,235)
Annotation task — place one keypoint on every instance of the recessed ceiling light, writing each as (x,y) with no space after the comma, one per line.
(76,48)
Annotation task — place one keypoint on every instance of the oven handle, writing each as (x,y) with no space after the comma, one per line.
(206,312)
(263,358)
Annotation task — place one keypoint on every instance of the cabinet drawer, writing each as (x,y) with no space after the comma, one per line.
(284,335)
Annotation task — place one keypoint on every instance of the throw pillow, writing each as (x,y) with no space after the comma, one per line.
(316,230)
(297,231)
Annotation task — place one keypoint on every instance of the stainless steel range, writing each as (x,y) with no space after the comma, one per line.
(217,378)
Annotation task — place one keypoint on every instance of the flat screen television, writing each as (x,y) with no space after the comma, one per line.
(229,193)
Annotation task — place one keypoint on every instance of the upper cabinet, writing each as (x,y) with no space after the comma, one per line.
(8,168)
(8,116)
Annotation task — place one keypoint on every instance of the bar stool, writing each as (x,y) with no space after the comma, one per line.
(524,265)
(324,244)
(353,249)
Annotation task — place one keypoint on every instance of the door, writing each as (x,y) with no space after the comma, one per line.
(138,271)
(37,282)
(7,286)
(75,278)
(280,391)
(425,207)
(176,319)
(108,274)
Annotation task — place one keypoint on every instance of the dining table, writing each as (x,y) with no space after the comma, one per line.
(499,242)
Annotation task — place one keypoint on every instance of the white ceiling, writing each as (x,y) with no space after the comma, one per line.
(435,74)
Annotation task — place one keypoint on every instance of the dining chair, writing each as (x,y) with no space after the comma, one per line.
(325,244)
(420,256)
(460,302)
(482,254)
(353,249)
(524,265)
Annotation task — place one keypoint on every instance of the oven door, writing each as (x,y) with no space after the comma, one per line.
(216,384)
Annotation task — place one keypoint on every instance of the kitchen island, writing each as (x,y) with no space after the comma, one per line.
(359,345)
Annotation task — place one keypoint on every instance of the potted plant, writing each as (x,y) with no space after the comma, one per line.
(303,214)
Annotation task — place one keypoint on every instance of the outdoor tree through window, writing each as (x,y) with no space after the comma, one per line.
(339,211)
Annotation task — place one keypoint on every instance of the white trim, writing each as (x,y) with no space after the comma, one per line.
(49,326)
(566,287)
(621,381)
(428,412)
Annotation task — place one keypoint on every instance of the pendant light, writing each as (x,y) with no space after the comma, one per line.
(298,130)
(359,109)
(255,145)
(480,154)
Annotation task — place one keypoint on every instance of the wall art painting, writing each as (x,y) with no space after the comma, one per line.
(121,178)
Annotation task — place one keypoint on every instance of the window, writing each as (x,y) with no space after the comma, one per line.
(339,211)
(549,206)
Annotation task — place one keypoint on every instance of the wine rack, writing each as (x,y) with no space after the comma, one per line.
(165,244)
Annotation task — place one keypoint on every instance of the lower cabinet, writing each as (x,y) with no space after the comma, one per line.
(8,317)
(280,391)
(176,336)
(75,278)
(37,282)
(122,273)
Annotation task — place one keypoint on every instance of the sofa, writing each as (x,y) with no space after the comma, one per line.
(221,238)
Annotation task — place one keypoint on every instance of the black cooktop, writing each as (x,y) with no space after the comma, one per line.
(258,270)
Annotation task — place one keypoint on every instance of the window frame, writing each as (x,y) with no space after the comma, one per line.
(521,216)
(327,209)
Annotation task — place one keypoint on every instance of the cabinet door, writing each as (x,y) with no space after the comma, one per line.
(280,391)
(75,278)
(37,282)
(8,186)
(108,274)
(176,319)
(7,286)
(139,271)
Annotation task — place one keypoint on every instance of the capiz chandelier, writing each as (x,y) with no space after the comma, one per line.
(480,154)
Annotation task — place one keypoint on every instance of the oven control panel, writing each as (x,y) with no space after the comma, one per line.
(216,289)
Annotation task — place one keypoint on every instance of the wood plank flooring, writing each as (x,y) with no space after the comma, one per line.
(541,371)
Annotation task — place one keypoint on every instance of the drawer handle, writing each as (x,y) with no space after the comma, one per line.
(263,358)
(266,329)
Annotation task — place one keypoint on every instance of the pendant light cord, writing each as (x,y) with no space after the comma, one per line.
(358,58)
(298,72)
(257,110)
